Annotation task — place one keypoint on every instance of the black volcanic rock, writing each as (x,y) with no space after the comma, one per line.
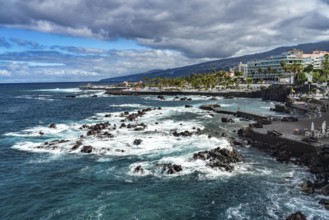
(87,149)
(277,93)
(296,216)
(221,158)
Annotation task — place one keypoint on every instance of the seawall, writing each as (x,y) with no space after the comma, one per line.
(253,94)
(294,146)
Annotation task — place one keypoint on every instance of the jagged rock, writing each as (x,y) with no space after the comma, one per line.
(258,124)
(139,169)
(237,143)
(209,107)
(91,132)
(170,168)
(174,169)
(276,92)
(325,190)
(183,134)
(307,187)
(137,141)
(108,134)
(274,133)
(139,128)
(296,216)
(226,120)
(228,97)
(87,149)
(289,119)
(310,140)
(325,203)
(107,115)
(161,97)
(278,108)
(77,145)
(219,158)
(53,125)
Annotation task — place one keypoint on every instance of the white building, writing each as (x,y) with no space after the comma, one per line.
(270,69)
(243,68)
(315,59)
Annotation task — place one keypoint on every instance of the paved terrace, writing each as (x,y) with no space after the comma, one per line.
(288,128)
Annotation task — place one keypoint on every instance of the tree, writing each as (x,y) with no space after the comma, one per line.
(300,78)
(316,76)
(325,66)
(249,81)
(308,68)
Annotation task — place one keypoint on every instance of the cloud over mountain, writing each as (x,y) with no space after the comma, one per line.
(198,29)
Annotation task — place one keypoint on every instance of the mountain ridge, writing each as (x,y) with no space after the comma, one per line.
(222,64)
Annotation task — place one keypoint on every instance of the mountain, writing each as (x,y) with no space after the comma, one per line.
(223,64)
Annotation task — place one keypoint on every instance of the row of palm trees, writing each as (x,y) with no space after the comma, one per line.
(204,81)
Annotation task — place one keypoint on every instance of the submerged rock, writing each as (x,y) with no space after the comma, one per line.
(87,149)
(161,97)
(170,168)
(183,134)
(227,120)
(53,125)
(137,141)
(307,187)
(139,169)
(296,216)
(209,107)
(325,203)
(76,145)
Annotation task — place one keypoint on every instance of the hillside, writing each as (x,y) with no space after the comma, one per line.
(217,64)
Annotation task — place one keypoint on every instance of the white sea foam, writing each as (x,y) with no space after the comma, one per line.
(35,97)
(128,106)
(236,212)
(157,141)
(57,90)
(35,131)
(89,94)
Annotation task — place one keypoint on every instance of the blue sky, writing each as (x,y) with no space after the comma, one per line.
(49,40)
(87,40)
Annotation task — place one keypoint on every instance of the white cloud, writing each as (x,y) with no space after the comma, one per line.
(5,73)
(50,66)
(209,28)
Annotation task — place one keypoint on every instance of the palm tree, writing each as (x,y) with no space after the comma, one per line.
(325,66)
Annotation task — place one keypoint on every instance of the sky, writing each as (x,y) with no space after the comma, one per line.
(89,40)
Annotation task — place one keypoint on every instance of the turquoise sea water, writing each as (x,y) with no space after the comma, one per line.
(45,183)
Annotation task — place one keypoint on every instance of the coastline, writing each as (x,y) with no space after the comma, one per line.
(245,94)
(109,150)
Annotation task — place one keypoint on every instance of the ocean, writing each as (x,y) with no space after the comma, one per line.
(44,181)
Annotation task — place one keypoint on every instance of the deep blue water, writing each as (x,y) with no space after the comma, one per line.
(39,183)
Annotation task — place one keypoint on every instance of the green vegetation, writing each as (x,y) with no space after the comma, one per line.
(204,81)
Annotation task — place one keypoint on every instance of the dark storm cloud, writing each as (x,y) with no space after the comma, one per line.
(209,28)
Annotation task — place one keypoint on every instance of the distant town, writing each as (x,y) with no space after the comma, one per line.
(287,67)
